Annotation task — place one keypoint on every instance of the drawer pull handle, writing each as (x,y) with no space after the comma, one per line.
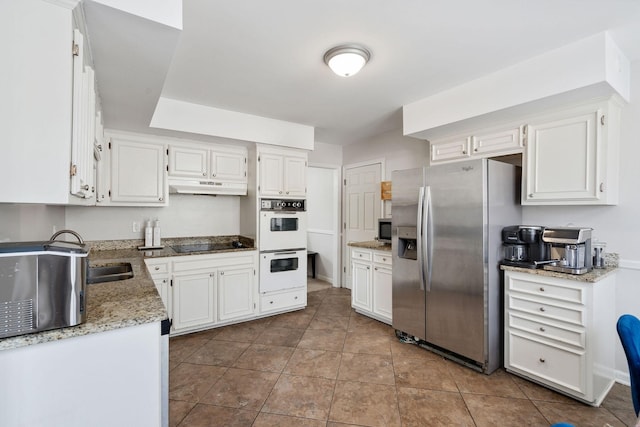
(541,289)
(542,360)
(542,329)
(541,308)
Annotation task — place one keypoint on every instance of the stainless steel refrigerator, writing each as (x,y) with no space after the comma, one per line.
(446,242)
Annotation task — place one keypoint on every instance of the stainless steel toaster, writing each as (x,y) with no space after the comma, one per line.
(42,286)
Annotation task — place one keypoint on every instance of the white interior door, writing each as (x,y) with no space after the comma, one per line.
(361,207)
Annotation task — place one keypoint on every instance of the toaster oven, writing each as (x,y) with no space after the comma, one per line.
(42,286)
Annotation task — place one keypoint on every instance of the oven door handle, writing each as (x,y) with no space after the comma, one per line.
(284,253)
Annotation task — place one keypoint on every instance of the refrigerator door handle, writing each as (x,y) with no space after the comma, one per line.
(419,239)
(428,238)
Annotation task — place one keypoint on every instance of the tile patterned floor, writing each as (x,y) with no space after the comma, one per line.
(329,366)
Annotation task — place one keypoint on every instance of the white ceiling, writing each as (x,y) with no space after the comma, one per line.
(265,57)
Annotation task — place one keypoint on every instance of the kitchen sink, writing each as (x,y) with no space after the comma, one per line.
(109,273)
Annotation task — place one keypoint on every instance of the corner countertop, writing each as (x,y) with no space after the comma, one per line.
(593,276)
(124,303)
(371,244)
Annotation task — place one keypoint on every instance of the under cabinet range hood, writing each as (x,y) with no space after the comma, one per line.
(194,186)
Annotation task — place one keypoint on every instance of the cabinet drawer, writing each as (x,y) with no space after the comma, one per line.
(552,364)
(543,309)
(283,300)
(544,329)
(382,258)
(544,289)
(361,255)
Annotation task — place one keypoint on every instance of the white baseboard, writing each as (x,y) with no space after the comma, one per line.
(622,377)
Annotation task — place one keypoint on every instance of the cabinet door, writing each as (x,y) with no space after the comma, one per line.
(235,293)
(450,149)
(193,300)
(503,142)
(138,174)
(561,160)
(228,166)
(382,292)
(271,174)
(188,162)
(361,286)
(295,176)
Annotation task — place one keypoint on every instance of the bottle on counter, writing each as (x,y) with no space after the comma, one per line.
(148,234)
(156,233)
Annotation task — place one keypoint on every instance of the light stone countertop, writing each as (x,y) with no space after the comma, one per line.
(611,263)
(371,244)
(123,303)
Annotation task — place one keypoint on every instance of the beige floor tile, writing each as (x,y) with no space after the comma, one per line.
(280,336)
(305,397)
(220,353)
(432,408)
(357,342)
(326,309)
(619,403)
(242,332)
(578,415)
(499,383)
(273,420)
(368,368)
(184,346)
(401,350)
(242,389)
(359,324)
(260,357)
(329,322)
(534,391)
(294,320)
(365,404)
(314,363)
(323,339)
(425,372)
(178,409)
(212,416)
(190,382)
(491,411)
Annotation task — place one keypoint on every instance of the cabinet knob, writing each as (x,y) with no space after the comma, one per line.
(475,149)
(164,280)
(542,360)
(541,289)
(464,151)
(368,268)
(542,329)
(541,308)
(214,175)
(270,302)
(287,192)
(161,199)
(295,297)
(375,268)
(156,268)
(204,174)
(222,273)
(384,259)
(279,192)
(530,194)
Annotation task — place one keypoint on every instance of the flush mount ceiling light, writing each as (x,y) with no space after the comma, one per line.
(346,60)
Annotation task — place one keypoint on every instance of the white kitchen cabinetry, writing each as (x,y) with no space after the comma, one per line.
(371,283)
(48,105)
(159,269)
(481,144)
(561,333)
(136,173)
(210,290)
(282,173)
(571,157)
(281,301)
(204,162)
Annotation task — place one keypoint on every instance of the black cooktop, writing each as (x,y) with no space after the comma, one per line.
(206,247)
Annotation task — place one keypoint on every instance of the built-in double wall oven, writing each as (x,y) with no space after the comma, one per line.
(282,244)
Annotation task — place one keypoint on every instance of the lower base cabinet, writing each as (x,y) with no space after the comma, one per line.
(273,302)
(371,283)
(561,333)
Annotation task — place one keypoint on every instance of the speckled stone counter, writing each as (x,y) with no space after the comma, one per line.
(124,303)
(611,263)
(371,244)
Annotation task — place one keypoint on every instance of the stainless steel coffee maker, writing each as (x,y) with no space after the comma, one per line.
(570,249)
(523,246)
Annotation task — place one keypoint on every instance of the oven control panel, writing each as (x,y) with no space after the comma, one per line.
(282,205)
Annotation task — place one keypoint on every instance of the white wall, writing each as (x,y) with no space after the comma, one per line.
(615,225)
(186,215)
(22,222)
(326,154)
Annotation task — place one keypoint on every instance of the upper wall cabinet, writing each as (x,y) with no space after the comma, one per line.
(207,169)
(571,157)
(47,107)
(134,172)
(282,173)
(482,144)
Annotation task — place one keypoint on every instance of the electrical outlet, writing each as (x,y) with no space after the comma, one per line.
(135,227)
